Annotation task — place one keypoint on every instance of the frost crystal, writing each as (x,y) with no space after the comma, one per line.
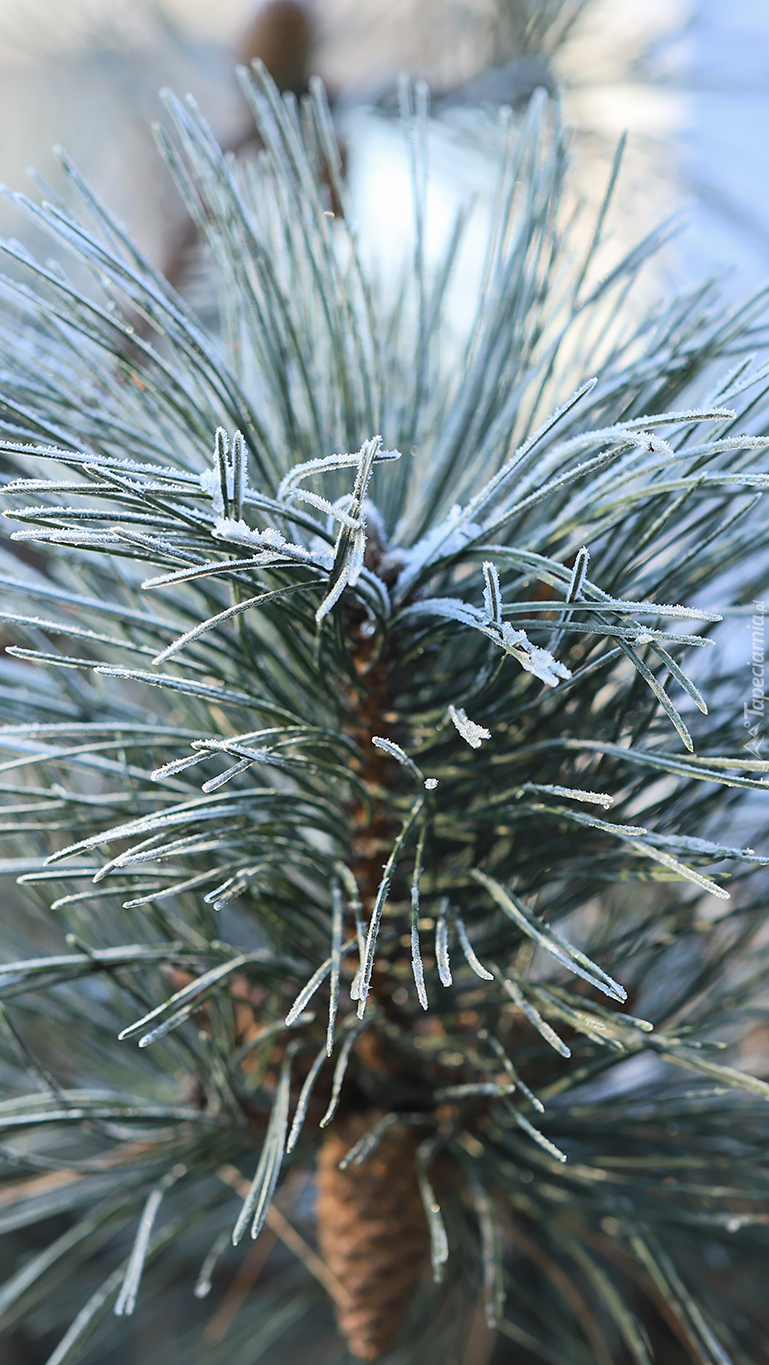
(270,541)
(472,733)
(653,444)
(227,480)
(533,658)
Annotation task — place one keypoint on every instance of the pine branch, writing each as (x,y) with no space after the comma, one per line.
(411,626)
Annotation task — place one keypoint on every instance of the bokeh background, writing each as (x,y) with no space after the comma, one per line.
(686,78)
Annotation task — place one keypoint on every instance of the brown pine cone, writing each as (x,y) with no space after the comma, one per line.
(372,1231)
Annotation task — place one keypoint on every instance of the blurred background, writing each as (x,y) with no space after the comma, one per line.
(687,79)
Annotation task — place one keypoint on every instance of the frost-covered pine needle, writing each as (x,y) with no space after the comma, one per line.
(472,733)
(534,1133)
(395,751)
(308,991)
(469,952)
(442,944)
(417,965)
(304,1099)
(558,947)
(336,960)
(372,933)
(259,1197)
(533,1015)
(126,1299)
(498,1049)
(204,1280)
(187,994)
(491,1255)
(339,1073)
(361,1150)
(439,1243)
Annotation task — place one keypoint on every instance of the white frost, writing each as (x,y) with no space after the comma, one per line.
(472,733)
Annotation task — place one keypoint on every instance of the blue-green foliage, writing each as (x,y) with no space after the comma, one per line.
(331,597)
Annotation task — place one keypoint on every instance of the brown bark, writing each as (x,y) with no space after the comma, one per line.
(280,35)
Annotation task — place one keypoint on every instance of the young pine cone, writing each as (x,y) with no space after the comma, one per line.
(372,1231)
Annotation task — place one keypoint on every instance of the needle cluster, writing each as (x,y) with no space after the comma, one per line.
(352,740)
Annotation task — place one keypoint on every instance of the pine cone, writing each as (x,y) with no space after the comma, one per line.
(372,1231)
